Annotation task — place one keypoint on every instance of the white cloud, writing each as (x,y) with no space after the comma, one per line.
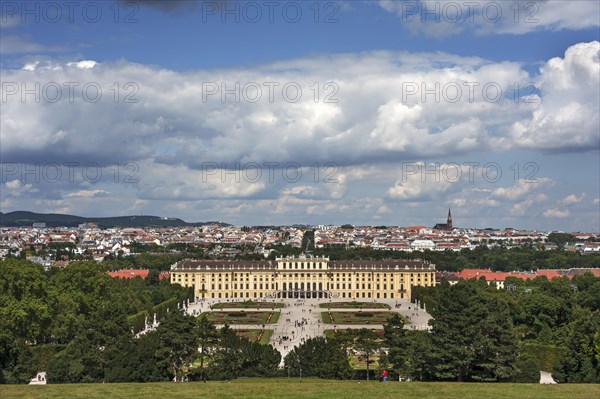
(556,213)
(87,194)
(382,113)
(446,17)
(422,181)
(11,44)
(523,207)
(572,199)
(567,117)
(87,64)
(374,128)
(520,189)
(16,188)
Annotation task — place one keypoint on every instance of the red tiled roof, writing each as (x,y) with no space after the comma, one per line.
(501,276)
(492,276)
(550,273)
(132,273)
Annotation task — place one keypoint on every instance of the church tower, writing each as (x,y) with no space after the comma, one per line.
(449,221)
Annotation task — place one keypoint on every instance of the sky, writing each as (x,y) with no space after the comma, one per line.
(304,112)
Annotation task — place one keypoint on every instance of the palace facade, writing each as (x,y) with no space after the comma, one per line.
(303,276)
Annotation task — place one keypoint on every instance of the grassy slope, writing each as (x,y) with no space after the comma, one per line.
(266,388)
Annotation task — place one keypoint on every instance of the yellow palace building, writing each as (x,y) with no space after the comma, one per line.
(304,276)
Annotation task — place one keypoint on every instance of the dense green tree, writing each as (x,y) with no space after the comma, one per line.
(207,341)
(472,335)
(581,362)
(85,357)
(560,239)
(153,277)
(136,360)
(408,350)
(528,369)
(321,358)
(395,340)
(238,357)
(178,343)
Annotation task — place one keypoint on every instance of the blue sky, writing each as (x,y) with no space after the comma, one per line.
(407,106)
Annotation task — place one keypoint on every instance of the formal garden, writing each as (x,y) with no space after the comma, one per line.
(248,305)
(360,317)
(242,317)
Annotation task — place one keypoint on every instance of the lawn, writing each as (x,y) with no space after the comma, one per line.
(354,305)
(356,317)
(332,333)
(254,335)
(358,363)
(307,388)
(242,317)
(248,305)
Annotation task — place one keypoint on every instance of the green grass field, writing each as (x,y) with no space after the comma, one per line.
(253,335)
(307,388)
(329,334)
(242,317)
(367,317)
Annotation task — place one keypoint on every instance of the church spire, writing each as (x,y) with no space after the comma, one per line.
(449,221)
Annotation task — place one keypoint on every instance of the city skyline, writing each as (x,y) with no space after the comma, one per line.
(368,113)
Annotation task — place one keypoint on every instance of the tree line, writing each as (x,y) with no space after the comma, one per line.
(73,323)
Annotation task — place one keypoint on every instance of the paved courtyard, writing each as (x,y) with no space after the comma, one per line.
(300,319)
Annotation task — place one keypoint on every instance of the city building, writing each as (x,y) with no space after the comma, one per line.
(304,276)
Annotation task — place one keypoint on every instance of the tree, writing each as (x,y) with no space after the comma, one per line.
(472,335)
(560,239)
(408,350)
(207,340)
(528,369)
(135,359)
(581,363)
(153,277)
(395,340)
(178,342)
(227,361)
(85,358)
(321,358)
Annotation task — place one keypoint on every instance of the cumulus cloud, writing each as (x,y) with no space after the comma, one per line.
(184,143)
(446,17)
(87,194)
(567,118)
(422,181)
(572,199)
(556,213)
(370,107)
(520,189)
(16,188)
(523,207)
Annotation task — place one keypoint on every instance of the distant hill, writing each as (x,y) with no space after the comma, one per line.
(24,218)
